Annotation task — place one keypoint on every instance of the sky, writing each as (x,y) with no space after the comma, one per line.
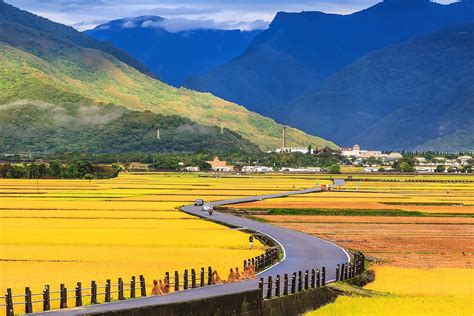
(185,14)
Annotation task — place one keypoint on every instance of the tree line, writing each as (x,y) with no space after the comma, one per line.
(55,170)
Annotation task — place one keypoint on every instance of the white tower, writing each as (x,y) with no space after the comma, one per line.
(158,134)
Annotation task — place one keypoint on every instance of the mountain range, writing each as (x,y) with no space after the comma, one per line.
(304,69)
(173,55)
(49,71)
(417,95)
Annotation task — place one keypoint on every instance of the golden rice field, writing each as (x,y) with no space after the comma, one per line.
(402,291)
(426,197)
(65,231)
(425,263)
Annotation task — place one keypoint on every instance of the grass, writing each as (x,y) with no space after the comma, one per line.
(401,291)
(339,212)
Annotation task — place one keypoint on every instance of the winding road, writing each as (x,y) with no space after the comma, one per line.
(301,252)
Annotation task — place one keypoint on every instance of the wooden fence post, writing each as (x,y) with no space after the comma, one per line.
(176,281)
(354,270)
(202,277)
(167,280)
(245,264)
(306,280)
(132,287)
(9,302)
(142,286)
(293,283)
(78,294)
(300,281)
(28,303)
(260,288)
(107,291)
(338,268)
(285,284)
(270,287)
(209,275)
(346,268)
(46,298)
(185,279)
(313,278)
(323,276)
(193,278)
(318,278)
(342,272)
(277,285)
(93,292)
(63,296)
(121,295)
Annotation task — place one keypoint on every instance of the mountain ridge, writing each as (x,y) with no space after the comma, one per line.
(173,56)
(300,50)
(37,64)
(419,95)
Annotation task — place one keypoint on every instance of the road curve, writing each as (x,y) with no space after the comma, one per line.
(301,252)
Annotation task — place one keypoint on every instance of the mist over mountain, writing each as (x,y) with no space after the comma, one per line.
(173,55)
(301,50)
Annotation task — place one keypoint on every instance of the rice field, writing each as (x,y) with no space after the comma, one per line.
(65,231)
(423,251)
(403,291)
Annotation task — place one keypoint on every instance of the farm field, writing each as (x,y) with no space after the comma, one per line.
(399,291)
(420,236)
(65,231)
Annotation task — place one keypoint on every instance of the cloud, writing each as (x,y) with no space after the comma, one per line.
(182,24)
(83,115)
(84,14)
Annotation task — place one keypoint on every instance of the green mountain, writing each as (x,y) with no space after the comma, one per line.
(44,127)
(42,61)
(417,95)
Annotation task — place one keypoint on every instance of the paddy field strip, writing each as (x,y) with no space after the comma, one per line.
(65,231)
(420,236)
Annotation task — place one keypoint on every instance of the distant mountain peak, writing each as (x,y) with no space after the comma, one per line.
(132,22)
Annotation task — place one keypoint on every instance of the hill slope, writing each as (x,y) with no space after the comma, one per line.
(40,65)
(173,56)
(43,127)
(414,95)
(300,50)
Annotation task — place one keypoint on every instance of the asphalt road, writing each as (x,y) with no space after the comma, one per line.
(301,252)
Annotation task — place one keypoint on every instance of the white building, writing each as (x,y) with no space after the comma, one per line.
(464,160)
(257,169)
(393,156)
(290,150)
(355,151)
(191,169)
(302,170)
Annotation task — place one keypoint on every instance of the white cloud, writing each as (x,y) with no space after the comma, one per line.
(84,14)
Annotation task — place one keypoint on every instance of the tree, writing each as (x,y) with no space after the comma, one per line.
(335,169)
(89,177)
(440,169)
(406,167)
(381,169)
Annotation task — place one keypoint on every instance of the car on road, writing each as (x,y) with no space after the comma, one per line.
(199,202)
(208,208)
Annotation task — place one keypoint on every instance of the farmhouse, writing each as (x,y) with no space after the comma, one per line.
(218,165)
